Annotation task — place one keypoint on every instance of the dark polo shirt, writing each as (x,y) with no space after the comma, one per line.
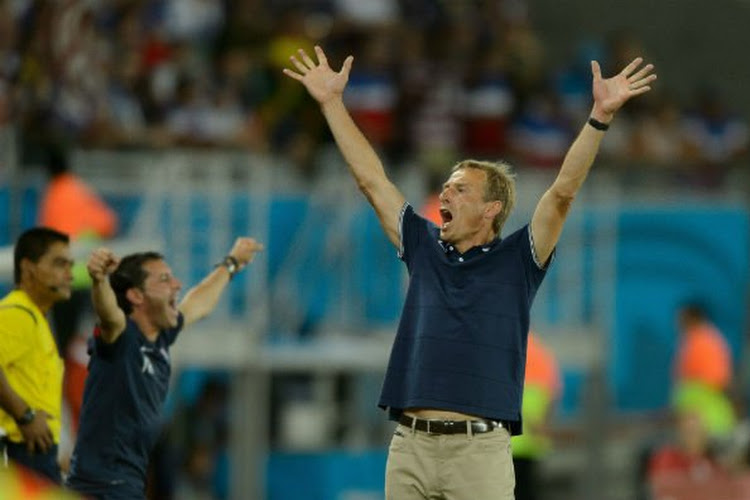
(121,414)
(461,340)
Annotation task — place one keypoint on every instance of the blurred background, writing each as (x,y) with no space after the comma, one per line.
(168,125)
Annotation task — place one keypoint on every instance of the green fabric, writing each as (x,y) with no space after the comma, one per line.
(712,406)
(81,278)
(536,403)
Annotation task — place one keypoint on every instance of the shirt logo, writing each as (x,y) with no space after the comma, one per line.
(148,366)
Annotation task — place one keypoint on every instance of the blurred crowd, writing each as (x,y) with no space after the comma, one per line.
(432,81)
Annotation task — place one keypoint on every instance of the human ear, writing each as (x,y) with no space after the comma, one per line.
(134,295)
(493,208)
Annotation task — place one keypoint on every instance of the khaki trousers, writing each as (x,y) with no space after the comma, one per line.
(425,466)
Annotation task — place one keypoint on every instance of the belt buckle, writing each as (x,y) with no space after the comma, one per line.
(482,426)
(430,424)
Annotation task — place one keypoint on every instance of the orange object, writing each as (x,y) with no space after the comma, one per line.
(541,367)
(71,207)
(704,356)
(431,209)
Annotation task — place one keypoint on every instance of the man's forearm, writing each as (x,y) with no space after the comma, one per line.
(359,155)
(10,401)
(578,161)
(105,303)
(201,300)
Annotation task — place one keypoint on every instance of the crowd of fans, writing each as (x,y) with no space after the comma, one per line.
(432,81)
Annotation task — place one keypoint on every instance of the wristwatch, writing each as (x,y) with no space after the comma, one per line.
(231,264)
(26,418)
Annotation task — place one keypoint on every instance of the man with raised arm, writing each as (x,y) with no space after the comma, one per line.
(135,300)
(455,375)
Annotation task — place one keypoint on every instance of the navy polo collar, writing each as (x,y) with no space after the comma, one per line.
(449,249)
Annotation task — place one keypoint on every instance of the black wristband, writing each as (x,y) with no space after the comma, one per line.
(598,125)
(26,418)
(231,263)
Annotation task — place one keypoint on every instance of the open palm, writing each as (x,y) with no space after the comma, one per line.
(611,93)
(319,79)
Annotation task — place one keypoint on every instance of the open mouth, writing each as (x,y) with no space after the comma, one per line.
(446,216)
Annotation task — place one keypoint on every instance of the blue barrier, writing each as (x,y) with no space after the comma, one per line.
(665,258)
(331,475)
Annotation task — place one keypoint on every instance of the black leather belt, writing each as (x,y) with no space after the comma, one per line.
(450,426)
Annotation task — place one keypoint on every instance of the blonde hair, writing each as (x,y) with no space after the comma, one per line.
(500,186)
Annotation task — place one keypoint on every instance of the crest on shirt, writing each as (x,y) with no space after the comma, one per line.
(148,366)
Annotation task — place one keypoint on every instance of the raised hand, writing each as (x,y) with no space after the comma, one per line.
(319,79)
(102,263)
(244,250)
(611,93)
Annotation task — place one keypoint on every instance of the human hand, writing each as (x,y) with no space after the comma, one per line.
(37,434)
(611,93)
(322,82)
(102,262)
(244,250)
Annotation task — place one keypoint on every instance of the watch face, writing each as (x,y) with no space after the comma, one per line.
(27,417)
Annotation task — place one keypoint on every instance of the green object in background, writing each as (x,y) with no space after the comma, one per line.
(535,407)
(81,278)
(712,406)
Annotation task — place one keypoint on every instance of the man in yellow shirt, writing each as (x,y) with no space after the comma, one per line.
(31,370)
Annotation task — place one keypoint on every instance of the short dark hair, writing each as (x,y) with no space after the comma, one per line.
(693,311)
(130,274)
(32,245)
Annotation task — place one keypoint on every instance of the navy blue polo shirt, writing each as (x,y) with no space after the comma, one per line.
(461,340)
(121,413)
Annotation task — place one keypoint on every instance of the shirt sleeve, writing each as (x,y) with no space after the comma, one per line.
(107,350)
(413,229)
(535,271)
(541,265)
(15,325)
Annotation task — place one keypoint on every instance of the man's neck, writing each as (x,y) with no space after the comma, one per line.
(38,298)
(478,240)
(146,326)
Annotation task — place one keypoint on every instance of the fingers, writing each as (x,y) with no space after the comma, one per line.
(322,59)
(102,261)
(632,66)
(300,66)
(44,442)
(639,91)
(306,64)
(641,83)
(347,66)
(641,73)
(37,434)
(596,71)
(245,249)
(292,74)
(309,62)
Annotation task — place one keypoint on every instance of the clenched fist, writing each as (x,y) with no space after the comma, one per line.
(244,251)
(102,263)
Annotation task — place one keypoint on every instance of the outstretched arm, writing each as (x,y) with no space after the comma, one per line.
(327,87)
(111,318)
(609,96)
(203,297)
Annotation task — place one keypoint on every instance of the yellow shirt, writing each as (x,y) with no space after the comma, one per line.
(30,361)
